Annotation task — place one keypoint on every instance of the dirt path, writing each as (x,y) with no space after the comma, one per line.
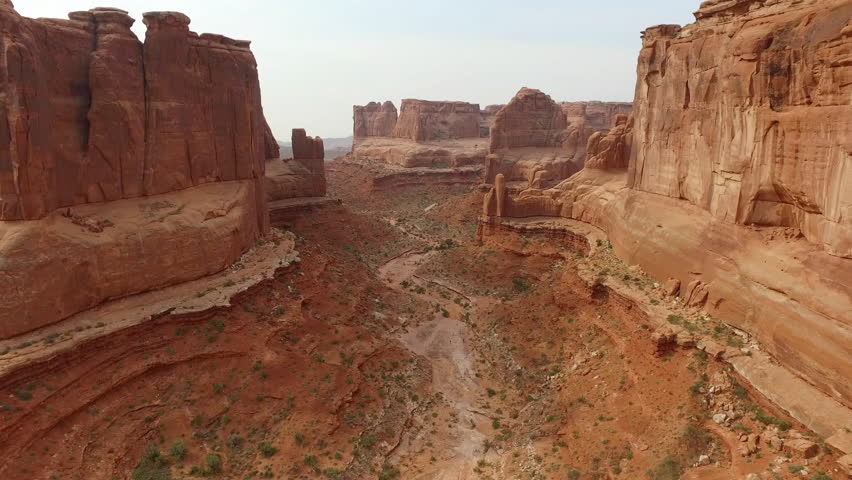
(445,341)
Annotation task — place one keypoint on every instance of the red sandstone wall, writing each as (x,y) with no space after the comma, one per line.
(530,119)
(90,114)
(374,120)
(746,113)
(423,121)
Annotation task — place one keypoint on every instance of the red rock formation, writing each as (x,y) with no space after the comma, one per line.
(587,118)
(305,147)
(746,115)
(300,176)
(88,114)
(611,151)
(426,134)
(741,118)
(487,116)
(538,141)
(122,120)
(271,148)
(530,119)
(374,120)
(425,121)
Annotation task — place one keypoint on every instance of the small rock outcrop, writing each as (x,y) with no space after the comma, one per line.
(300,176)
(611,150)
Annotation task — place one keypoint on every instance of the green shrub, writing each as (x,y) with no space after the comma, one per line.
(214,463)
(178,450)
(153,466)
(668,469)
(266,450)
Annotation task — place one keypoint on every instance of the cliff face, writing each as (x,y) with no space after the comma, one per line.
(90,114)
(374,120)
(425,134)
(121,157)
(530,119)
(746,114)
(423,121)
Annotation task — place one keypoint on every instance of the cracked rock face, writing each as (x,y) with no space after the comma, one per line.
(746,114)
(91,114)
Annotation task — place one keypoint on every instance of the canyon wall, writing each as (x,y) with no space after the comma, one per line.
(733,177)
(746,114)
(96,128)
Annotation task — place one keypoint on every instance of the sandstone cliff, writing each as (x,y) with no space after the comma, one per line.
(107,146)
(738,148)
(530,119)
(423,121)
(746,114)
(89,114)
(425,134)
(374,120)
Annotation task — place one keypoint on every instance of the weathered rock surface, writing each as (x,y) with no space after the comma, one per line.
(611,150)
(746,114)
(57,266)
(426,134)
(89,116)
(122,120)
(530,119)
(535,139)
(741,118)
(424,121)
(300,176)
(374,120)
(587,118)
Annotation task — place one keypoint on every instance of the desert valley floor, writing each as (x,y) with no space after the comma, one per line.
(400,345)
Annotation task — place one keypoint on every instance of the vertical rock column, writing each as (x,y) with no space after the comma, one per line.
(116,148)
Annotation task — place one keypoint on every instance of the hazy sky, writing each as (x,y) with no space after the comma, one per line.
(317,58)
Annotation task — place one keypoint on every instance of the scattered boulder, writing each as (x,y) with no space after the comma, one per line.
(801,447)
(671,287)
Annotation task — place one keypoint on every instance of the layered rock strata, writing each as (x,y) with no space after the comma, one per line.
(736,187)
(746,114)
(425,134)
(90,116)
(374,120)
